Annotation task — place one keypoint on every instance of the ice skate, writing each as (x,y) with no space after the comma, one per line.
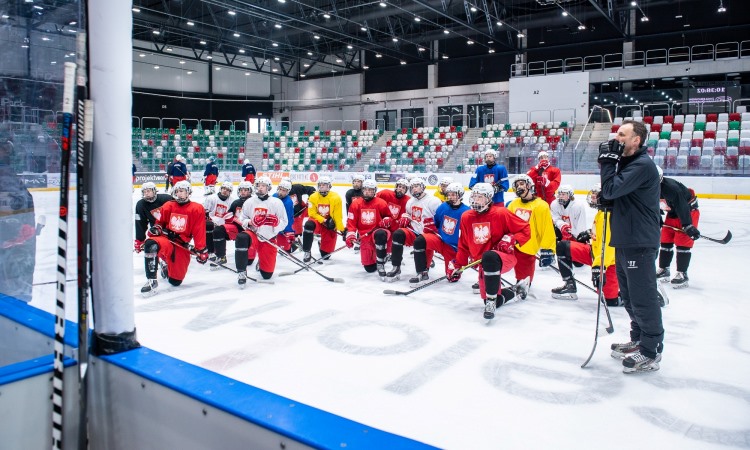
(662,274)
(680,280)
(661,294)
(217,262)
(567,291)
(394,275)
(621,351)
(475,288)
(381,271)
(307,257)
(637,362)
(419,279)
(489,308)
(521,288)
(150,288)
(242,279)
(163,269)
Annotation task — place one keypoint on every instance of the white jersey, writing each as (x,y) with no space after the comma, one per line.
(422,212)
(574,214)
(218,209)
(268,208)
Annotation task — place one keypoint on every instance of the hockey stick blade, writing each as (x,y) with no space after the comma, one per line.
(392,292)
(723,241)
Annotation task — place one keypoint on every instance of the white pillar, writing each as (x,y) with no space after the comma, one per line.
(110,68)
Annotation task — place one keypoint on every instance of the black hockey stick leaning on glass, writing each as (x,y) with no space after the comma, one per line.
(724,240)
(444,277)
(601,292)
(298,261)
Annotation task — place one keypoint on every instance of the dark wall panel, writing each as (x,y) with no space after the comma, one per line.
(197,107)
(484,69)
(400,78)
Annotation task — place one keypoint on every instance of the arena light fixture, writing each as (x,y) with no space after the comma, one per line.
(203,42)
(277,26)
(189,72)
(190,23)
(325,15)
(349,47)
(231,13)
(242,50)
(417,19)
(309,53)
(275,44)
(721,7)
(365,67)
(182,61)
(378,55)
(136,10)
(403,63)
(383,4)
(236,34)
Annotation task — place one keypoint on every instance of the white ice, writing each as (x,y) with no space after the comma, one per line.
(429,367)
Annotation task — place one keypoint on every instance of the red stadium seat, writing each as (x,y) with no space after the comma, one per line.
(655,128)
(648,119)
(712,117)
(735,117)
(677,127)
(709,134)
(668,119)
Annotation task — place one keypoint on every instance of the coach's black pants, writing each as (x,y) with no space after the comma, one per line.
(636,273)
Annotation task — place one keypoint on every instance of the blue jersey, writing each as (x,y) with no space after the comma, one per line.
(497,174)
(448,221)
(211,169)
(246,169)
(289,208)
(179,169)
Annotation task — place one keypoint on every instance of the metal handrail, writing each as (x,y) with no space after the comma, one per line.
(697,53)
(223,121)
(573,65)
(596,60)
(169,118)
(631,107)
(674,57)
(668,105)
(549,115)
(182,123)
(731,51)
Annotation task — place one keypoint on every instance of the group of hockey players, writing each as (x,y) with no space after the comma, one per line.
(379,223)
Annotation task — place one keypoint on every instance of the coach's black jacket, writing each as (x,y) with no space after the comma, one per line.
(633,185)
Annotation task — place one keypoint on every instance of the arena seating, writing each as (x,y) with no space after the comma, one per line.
(697,143)
(156,147)
(315,150)
(423,149)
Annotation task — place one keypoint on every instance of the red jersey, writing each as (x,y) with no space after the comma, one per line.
(396,206)
(187,220)
(551,181)
(364,216)
(481,232)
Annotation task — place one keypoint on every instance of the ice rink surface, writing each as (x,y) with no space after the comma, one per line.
(429,367)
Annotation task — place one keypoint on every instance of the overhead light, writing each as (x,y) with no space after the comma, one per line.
(470,42)
(142,55)
(565,13)
(282,1)
(203,42)
(333,71)
(395,39)
(278,26)
(209,57)
(721,7)
(302,75)
(53,62)
(189,72)
(403,63)
(365,67)
(274,70)
(306,65)
(383,4)
(136,10)
(242,50)
(446,32)
(363,28)
(45,38)
(492,50)
(236,34)
(231,13)
(645,19)
(275,58)
(5,16)
(378,55)
(633,3)
(37,7)
(499,23)
(157,32)
(218,68)
(309,53)
(326,15)
(247,74)
(182,62)
(274,44)
(169,49)
(417,19)
(24,46)
(445,56)
(541,42)
(686,25)
(338,60)
(473,9)
(678,16)
(316,37)
(349,47)
(244,64)
(190,23)
(520,35)
(581,27)
(421,49)
(596,98)
(156,67)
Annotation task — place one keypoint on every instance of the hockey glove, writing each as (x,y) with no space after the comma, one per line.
(546,257)
(541,181)
(271,220)
(351,238)
(453,272)
(565,231)
(596,273)
(385,222)
(156,230)
(404,221)
(290,236)
(497,187)
(610,152)
(692,232)
(584,236)
(137,246)
(259,220)
(201,255)
(506,244)
(330,223)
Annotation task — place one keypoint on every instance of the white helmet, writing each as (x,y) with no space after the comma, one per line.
(227,185)
(490,151)
(565,189)
(285,184)
(403,182)
(183,185)
(358,177)
(182,158)
(324,179)
(542,155)
(457,188)
(263,180)
(148,186)
(178,157)
(247,161)
(528,182)
(245,185)
(478,191)
(593,196)
(417,186)
(445,181)
(369,184)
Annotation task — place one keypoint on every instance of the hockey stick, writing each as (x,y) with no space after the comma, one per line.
(606,308)
(85,132)
(58,379)
(296,260)
(601,293)
(436,280)
(248,277)
(320,261)
(724,240)
(190,249)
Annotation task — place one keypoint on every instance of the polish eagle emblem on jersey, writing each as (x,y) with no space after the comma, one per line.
(449,225)
(368,217)
(394,209)
(324,210)
(489,178)
(178,223)
(416,213)
(220,210)
(156,212)
(481,232)
(524,214)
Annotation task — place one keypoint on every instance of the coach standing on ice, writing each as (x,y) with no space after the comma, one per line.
(630,180)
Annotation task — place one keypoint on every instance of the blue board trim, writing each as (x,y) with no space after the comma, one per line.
(30,368)
(36,319)
(303,423)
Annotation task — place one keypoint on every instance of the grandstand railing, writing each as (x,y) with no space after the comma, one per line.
(653,57)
